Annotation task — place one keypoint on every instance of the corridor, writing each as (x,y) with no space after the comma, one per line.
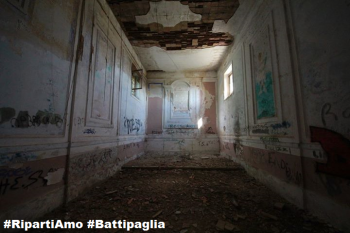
(205,115)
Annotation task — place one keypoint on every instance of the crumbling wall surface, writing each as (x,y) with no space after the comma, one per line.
(287,121)
(182,114)
(66,71)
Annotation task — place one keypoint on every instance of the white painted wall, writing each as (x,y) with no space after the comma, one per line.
(37,67)
(65,89)
(308,52)
(132,109)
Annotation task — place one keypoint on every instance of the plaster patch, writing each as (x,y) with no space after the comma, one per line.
(168,14)
(55,177)
(220,26)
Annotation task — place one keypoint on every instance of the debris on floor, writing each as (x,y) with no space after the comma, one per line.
(182,162)
(190,201)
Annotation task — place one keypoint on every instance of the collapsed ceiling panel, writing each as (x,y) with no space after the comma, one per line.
(174,25)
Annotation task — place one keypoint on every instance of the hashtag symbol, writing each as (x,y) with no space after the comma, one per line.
(7,224)
(91,223)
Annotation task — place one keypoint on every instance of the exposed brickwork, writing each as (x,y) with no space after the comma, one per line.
(184,35)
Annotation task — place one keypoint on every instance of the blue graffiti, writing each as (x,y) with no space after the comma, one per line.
(16,158)
(89,131)
(284,125)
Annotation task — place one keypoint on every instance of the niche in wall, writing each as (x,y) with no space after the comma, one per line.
(181,105)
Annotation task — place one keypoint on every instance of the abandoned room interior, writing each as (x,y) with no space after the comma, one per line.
(205,115)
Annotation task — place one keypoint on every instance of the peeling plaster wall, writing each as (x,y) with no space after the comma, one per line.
(182,138)
(286,122)
(68,118)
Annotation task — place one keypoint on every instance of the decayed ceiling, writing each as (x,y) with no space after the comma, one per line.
(174,26)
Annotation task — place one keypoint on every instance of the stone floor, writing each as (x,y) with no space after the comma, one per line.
(200,195)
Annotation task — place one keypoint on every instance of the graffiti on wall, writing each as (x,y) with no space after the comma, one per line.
(89,131)
(271,160)
(131,145)
(19,157)
(24,120)
(182,132)
(270,144)
(282,128)
(278,148)
(12,179)
(337,148)
(260,129)
(90,161)
(291,175)
(328,115)
(183,126)
(132,125)
(207,143)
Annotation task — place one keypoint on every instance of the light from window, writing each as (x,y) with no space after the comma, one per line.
(200,123)
(228,82)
